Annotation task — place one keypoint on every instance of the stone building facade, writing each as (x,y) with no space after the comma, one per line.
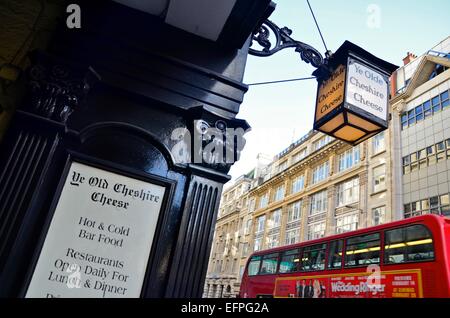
(320,186)
(316,187)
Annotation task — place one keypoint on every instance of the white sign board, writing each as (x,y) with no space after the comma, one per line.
(100,237)
(367,89)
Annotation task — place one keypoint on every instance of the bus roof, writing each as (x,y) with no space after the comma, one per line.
(417,219)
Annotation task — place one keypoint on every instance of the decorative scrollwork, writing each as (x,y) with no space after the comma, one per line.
(283,40)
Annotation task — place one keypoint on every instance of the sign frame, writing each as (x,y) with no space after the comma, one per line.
(73,156)
(346,107)
(355,109)
(348,122)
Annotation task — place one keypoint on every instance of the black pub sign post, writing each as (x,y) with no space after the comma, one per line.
(352,96)
(112,167)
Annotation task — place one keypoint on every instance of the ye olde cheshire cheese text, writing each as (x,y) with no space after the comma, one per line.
(119,188)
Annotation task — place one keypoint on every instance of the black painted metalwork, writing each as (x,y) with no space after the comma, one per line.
(107,95)
(283,40)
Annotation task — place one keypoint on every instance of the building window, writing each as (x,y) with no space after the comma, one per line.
(379,178)
(299,155)
(426,157)
(264,201)
(445,102)
(378,215)
(279,193)
(406,164)
(378,144)
(282,166)
(298,184)
(273,240)
(294,211)
(257,244)
(411,117)
(347,223)
(292,236)
(404,119)
(349,158)
(316,230)
(241,271)
(319,203)
(348,192)
(428,108)
(252,204)
(434,205)
(248,226)
(321,172)
(244,249)
(275,219)
(260,224)
(321,142)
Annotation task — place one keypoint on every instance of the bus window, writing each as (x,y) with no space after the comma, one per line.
(362,250)
(269,264)
(409,244)
(290,261)
(313,257)
(253,266)
(335,256)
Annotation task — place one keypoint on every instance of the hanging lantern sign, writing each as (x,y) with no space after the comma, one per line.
(352,100)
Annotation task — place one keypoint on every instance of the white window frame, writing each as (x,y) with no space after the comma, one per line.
(295,211)
(316,230)
(273,240)
(292,236)
(379,143)
(279,193)
(299,155)
(298,184)
(379,187)
(257,244)
(319,202)
(321,172)
(381,216)
(347,223)
(347,192)
(349,159)
(252,204)
(275,219)
(260,225)
(264,201)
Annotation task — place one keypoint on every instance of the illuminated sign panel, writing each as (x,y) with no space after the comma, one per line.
(367,89)
(331,93)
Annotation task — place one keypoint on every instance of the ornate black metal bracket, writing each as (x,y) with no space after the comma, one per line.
(283,40)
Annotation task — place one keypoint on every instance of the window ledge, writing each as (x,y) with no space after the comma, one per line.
(378,192)
(378,153)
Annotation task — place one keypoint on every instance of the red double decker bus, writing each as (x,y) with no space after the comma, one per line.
(407,258)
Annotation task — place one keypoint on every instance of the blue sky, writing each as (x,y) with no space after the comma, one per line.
(282,113)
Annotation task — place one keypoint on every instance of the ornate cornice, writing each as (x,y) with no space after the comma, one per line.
(56,89)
